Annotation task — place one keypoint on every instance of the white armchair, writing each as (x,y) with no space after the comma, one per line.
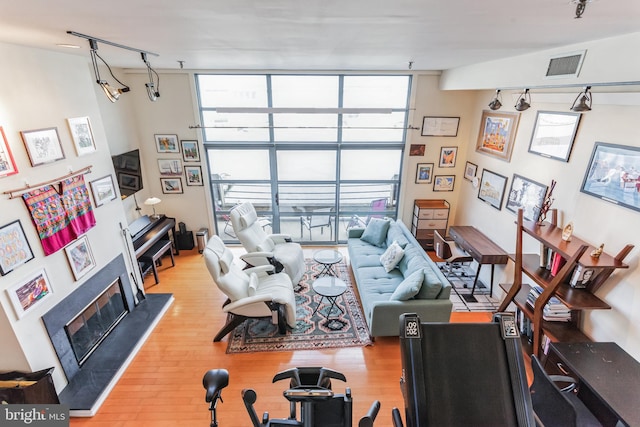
(263,248)
(251,292)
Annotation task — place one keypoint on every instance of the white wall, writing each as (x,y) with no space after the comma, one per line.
(429,100)
(606,61)
(173,112)
(41,89)
(612,120)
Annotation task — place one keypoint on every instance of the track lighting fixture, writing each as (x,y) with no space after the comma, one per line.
(585,101)
(496,103)
(153,88)
(112,93)
(524,101)
(580,7)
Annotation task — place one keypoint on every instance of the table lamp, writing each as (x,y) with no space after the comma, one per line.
(153,201)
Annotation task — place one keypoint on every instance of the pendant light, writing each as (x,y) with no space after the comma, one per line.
(496,103)
(524,101)
(113,94)
(585,101)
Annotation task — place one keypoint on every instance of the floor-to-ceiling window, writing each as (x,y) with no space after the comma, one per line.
(315,154)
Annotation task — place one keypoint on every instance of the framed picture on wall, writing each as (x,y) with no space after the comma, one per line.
(448,157)
(492,188)
(30,292)
(81,134)
(103,190)
(417,149)
(527,195)
(80,257)
(470,171)
(7,164)
(444,182)
(424,173)
(440,126)
(554,133)
(171,185)
(613,175)
(194,175)
(15,249)
(170,167)
(167,143)
(190,151)
(497,133)
(43,146)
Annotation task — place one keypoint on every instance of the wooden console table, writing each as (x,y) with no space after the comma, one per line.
(609,378)
(480,247)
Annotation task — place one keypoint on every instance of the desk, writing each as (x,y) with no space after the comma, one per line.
(609,379)
(480,247)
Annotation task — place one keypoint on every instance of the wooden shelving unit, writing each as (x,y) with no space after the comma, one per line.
(575,252)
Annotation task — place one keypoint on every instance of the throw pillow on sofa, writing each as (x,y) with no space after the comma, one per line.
(409,287)
(392,256)
(376,231)
(431,285)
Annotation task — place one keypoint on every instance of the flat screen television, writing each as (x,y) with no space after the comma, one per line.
(128,172)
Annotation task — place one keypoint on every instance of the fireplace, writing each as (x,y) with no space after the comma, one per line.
(97,330)
(92,325)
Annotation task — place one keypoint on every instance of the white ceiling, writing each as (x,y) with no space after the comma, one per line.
(314,34)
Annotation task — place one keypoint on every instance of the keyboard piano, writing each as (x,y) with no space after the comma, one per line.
(145,231)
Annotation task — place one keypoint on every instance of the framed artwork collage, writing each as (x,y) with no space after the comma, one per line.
(552,137)
(172,170)
(44,146)
(433,126)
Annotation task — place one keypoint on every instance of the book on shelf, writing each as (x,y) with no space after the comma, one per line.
(543,255)
(554,310)
(556,264)
(545,344)
(582,276)
(549,258)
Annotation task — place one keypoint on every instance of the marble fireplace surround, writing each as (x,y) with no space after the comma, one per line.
(89,385)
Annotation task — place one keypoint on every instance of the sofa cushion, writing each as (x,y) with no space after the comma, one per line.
(392,256)
(431,285)
(412,261)
(395,234)
(409,287)
(376,231)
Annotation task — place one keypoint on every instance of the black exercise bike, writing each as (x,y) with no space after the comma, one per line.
(309,388)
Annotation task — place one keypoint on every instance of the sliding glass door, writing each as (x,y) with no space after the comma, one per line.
(316,155)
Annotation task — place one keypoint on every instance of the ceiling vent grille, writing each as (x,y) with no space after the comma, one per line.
(565,65)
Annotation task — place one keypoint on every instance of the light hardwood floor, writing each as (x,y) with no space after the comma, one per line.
(163,384)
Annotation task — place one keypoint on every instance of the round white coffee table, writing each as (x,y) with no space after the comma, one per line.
(327,258)
(329,287)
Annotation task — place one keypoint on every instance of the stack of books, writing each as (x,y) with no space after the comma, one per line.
(554,310)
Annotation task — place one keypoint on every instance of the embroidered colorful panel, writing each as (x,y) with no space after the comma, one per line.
(60,219)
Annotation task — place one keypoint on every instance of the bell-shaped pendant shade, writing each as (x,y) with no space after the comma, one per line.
(495,103)
(524,101)
(583,101)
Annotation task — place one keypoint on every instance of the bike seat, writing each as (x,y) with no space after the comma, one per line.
(214,381)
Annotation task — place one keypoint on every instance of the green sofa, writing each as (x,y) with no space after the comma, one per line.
(376,286)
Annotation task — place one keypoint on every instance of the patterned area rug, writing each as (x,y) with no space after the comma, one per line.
(461,293)
(312,331)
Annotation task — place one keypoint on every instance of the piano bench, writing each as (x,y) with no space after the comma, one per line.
(152,257)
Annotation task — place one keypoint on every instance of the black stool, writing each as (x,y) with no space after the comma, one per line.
(154,254)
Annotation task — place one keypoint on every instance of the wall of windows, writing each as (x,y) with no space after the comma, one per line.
(316,154)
